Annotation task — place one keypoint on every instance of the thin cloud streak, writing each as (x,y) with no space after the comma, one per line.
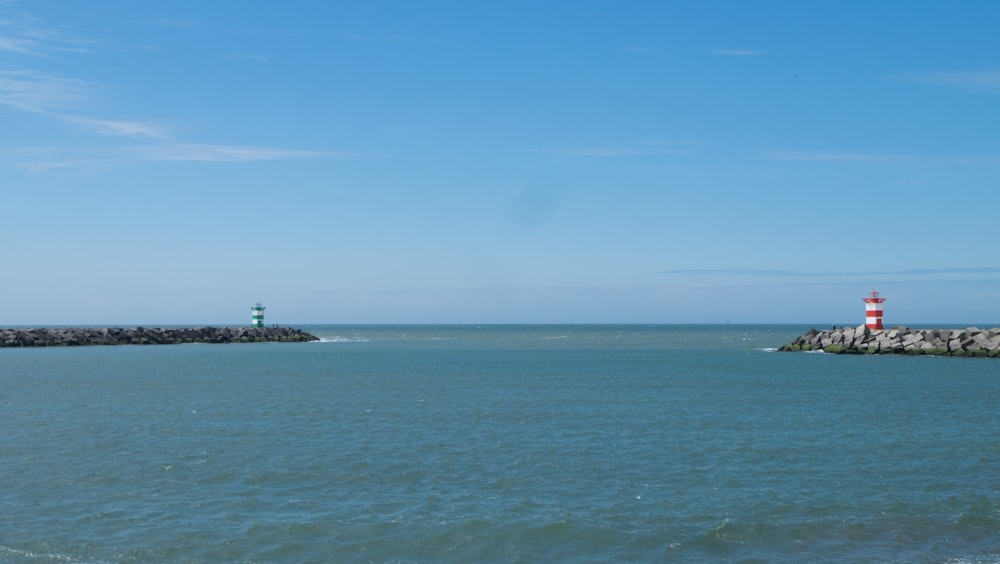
(230,153)
(60,98)
(66,100)
(967,79)
(57,98)
(18,45)
(766,273)
(834,157)
(38,92)
(116,128)
(24,34)
(42,159)
(601,152)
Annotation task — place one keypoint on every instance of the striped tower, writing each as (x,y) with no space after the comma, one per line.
(873,310)
(258,316)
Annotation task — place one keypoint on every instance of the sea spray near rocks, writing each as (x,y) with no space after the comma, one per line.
(971,341)
(76,336)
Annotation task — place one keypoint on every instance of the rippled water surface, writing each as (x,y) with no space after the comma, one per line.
(498,444)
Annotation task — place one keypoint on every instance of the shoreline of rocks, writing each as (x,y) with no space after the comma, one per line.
(88,336)
(968,342)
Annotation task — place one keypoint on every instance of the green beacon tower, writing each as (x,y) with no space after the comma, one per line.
(257,320)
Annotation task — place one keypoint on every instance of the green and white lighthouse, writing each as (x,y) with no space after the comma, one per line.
(257,320)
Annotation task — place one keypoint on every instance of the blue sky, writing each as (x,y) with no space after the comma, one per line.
(499,162)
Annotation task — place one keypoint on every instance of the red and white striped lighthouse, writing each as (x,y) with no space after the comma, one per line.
(873,310)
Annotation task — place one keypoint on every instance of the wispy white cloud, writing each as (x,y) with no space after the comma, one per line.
(738,52)
(61,99)
(17,45)
(37,159)
(117,128)
(34,91)
(55,97)
(984,159)
(227,153)
(967,79)
(757,272)
(72,102)
(23,34)
(835,157)
(593,151)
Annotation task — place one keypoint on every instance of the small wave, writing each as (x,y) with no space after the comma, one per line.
(768,349)
(341,340)
(8,551)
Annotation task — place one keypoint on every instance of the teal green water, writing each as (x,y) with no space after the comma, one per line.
(498,444)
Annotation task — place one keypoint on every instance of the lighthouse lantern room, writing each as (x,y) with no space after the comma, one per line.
(257,319)
(873,310)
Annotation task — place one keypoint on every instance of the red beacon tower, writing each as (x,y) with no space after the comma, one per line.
(873,310)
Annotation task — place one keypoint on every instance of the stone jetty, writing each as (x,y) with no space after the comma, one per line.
(73,336)
(971,341)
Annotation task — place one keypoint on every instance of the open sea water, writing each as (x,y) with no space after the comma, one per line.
(498,444)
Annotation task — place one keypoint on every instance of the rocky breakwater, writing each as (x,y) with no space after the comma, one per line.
(971,341)
(73,336)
